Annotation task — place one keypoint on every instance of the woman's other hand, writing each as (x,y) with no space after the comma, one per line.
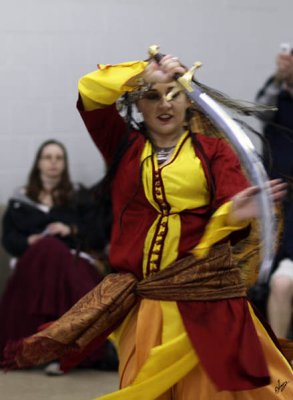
(58,228)
(245,206)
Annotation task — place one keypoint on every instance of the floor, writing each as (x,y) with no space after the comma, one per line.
(79,384)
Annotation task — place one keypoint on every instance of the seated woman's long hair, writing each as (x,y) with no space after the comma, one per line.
(62,193)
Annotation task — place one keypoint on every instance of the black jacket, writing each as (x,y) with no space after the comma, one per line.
(24,217)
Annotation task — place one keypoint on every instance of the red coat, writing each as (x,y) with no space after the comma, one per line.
(222,332)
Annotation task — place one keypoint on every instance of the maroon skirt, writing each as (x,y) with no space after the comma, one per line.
(47,281)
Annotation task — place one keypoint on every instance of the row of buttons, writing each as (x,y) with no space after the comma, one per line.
(157,249)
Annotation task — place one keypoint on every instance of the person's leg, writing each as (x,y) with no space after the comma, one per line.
(280,300)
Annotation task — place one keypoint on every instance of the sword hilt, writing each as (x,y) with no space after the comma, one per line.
(183,80)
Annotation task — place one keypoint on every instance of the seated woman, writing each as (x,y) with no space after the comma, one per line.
(44,228)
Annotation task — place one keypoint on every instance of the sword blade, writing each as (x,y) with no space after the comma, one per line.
(254,170)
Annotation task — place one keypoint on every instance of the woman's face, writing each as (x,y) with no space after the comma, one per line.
(52,161)
(163,118)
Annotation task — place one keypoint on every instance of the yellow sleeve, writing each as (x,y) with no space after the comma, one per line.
(105,85)
(216,230)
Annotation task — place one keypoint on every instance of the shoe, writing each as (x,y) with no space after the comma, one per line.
(53,369)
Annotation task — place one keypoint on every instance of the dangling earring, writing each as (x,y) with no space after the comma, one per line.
(137,114)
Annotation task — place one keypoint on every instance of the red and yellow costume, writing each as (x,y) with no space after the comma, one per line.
(182,350)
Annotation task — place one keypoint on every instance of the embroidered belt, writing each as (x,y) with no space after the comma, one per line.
(104,307)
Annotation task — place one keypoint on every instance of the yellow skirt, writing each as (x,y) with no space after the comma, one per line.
(158,362)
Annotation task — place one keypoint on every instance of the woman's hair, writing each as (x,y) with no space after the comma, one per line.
(63,191)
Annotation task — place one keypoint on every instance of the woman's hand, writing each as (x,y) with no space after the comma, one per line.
(58,228)
(244,204)
(164,71)
(285,68)
(32,239)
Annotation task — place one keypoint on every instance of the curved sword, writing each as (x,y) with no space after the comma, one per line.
(247,155)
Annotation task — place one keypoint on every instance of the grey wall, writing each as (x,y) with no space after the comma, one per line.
(45,46)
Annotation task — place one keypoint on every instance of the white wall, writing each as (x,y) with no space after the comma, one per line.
(45,46)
